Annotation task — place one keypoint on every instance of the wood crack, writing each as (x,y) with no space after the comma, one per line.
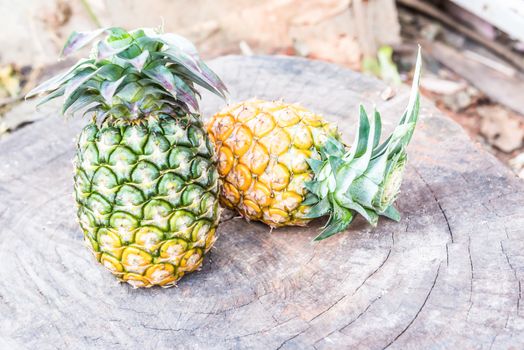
(165,329)
(490,210)
(447,255)
(470,279)
(450,231)
(498,333)
(290,339)
(235,307)
(514,275)
(445,218)
(360,314)
(262,330)
(418,311)
(380,266)
(329,308)
(350,322)
(25,266)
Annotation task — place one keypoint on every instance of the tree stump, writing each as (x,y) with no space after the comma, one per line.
(447,276)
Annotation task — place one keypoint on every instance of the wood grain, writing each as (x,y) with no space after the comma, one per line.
(447,276)
(499,87)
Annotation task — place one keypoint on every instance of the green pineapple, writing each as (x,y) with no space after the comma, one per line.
(146,180)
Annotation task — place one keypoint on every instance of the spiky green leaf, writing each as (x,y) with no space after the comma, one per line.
(391,213)
(139,61)
(105,49)
(127,64)
(367,176)
(109,88)
(58,80)
(320,209)
(77,40)
(378,128)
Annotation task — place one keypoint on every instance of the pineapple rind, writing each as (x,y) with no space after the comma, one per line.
(263,149)
(147,216)
(335,179)
(145,172)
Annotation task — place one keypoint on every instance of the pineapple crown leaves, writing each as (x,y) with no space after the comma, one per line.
(129,75)
(366,177)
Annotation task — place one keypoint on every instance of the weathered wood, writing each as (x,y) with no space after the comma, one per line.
(499,87)
(495,46)
(447,276)
(507,15)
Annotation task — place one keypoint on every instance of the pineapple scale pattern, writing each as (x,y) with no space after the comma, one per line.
(147,197)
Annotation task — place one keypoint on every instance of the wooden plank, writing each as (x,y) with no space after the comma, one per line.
(447,276)
(498,48)
(507,15)
(500,87)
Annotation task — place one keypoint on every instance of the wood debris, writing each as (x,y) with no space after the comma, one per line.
(500,129)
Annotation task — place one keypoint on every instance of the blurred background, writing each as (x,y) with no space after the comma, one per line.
(473,49)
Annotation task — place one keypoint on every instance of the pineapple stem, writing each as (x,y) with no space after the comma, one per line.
(366,177)
(131,75)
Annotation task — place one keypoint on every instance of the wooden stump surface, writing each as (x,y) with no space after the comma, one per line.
(447,276)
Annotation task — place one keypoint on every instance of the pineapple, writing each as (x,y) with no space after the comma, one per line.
(145,180)
(285,165)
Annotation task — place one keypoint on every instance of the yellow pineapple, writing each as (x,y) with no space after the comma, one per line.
(285,165)
(263,149)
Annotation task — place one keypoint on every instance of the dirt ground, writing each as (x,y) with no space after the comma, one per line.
(338,31)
